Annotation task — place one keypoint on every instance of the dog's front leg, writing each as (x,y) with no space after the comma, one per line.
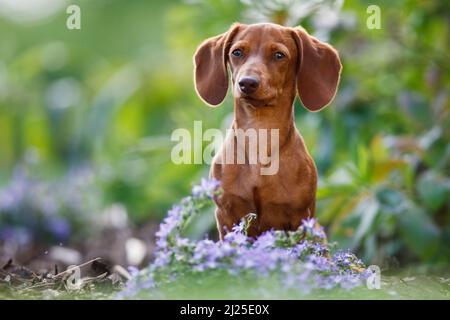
(230,210)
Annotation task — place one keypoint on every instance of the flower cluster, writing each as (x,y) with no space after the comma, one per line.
(36,210)
(300,260)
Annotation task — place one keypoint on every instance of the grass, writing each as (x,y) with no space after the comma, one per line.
(282,265)
(219,286)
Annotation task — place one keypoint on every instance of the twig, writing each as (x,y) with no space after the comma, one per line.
(14,277)
(38,285)
(91,279)
(75,267)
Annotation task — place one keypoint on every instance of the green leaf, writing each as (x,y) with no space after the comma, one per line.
(433,189)
(367,209)
(363,161)
(419,232)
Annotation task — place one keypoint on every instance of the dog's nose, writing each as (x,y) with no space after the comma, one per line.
(248,85)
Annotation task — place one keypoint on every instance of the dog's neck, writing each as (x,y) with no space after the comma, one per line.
(279,116)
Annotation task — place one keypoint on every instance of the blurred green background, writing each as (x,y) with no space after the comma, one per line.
(86,117)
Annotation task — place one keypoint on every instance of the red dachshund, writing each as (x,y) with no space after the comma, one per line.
(269,65)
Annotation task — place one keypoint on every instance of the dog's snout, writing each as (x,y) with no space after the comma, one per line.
(248,85)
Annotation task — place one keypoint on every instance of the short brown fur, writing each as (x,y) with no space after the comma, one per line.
(309,69)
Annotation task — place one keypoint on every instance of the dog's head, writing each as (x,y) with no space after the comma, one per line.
(267,61)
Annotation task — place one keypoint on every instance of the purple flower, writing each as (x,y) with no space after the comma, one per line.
(136,284)
(319,263)
(319,248)
(167,227)
(59,228)
(19,235)
(346,260)
(208,254)
(265,240)
(161,243)
(207,188)
(133,271)
(309,224)
(162,259)
(347,282)
(181,242)
(14,194)
(311,227)
(236,238)
(36,205)
(148,283)
(239,228)
(244,260)
(299,259)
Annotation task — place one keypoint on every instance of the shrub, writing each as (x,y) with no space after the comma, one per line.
(298,260)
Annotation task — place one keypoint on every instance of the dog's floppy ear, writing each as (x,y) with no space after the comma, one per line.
(210,67)
(319,71)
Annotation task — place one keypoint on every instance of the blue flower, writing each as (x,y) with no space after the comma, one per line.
(309,224)
(19,235)
(300,259)
(133,271)
(236,238)
(207,188)
(59,228)
(265,240)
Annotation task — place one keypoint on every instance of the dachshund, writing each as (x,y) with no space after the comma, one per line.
(269,66)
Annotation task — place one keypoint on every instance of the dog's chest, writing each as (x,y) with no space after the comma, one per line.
(288,187)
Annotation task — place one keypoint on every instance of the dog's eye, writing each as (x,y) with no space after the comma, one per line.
(237,53)
(279,55)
